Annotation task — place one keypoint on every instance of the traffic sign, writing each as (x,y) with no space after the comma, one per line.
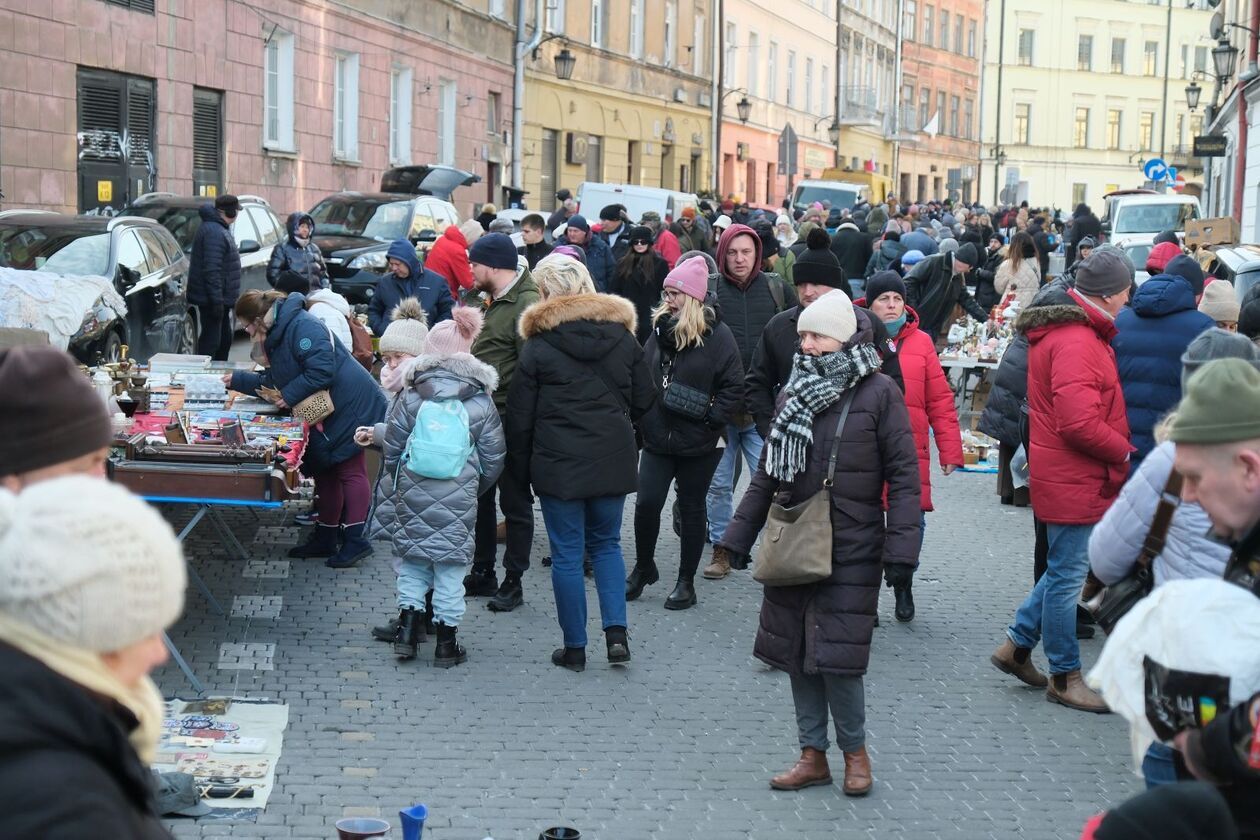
(1155,169)
(1179,184)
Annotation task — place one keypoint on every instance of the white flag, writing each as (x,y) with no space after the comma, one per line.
(933,126)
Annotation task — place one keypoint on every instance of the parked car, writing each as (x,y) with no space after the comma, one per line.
(140,257)
(353,231)
(436,180)
(1239,264)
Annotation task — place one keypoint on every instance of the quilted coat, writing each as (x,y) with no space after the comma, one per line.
(1117,540)
(1026,281)
(449,258)
(826,627)
(1151,336)
(428,518)
(1079,436)
(214,266)
(292,255)
(304,359)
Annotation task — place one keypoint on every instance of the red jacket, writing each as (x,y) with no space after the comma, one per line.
(449,258)
(930,400)
(667,246)
(1078,432)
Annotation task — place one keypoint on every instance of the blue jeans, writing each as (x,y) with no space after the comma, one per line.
(1158,766)
(415,578)
(719,500)
(575,528)
(1049,611)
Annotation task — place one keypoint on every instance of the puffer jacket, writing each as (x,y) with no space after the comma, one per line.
(214,266)
(333,310)
(933,289)
(887,255)
(291,255)
(571,435)
(852,248)
(427,518)
(426,286)
(1116,541)
(500,343)
(304,359)
(1079,436)
(449,258)
(713,368)
(600,261)
(1151,336)
(826,627)
(1026,281)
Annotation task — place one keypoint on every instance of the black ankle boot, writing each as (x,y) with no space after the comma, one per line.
(323,543)
(683,596)
(448,652)
(618,645)
(386,632)
(510,595)
(643,574)
(405,642)
(480,583)
(355,548)
(905,603)
(572,658)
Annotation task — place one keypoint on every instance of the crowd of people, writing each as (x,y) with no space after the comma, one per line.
(588,362)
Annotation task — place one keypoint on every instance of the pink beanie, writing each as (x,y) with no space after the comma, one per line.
(456,335)
(691,277)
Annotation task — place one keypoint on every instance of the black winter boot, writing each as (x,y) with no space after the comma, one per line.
(572,658)
(323,543)
(354,549)
(480,583)
(386,632)
(905,603)
(448,652)
(510,594)
(618,646)
(683,596)
(643,574)
(405,642)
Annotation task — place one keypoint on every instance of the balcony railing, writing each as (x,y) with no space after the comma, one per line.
(862,106)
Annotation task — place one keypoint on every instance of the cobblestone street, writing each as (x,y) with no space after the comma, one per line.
(678,745)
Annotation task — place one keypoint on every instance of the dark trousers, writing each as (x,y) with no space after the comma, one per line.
(518,511)
(656,472)
(1041,549)
(216,332)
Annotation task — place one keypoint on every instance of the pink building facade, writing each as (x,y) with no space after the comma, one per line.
(288,100)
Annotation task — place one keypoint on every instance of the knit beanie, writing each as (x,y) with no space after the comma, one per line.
(579,222)
(912,257)
(1219,302)
(1216,343)
(1159,257)
(1086,242)
(781,219)
(1187,811)
(968,254)
(1249,314)
(1221,404)
(691,277)
(88,564)
(948,244)
(1186,267)
(51,414)
(1124,258)
(1102,274)
(721,222)
(612,212)
(494,250)
(455,335)
(831,315)
(1167,236)
(406,330)
(817,263)
(641,233)
(884,281)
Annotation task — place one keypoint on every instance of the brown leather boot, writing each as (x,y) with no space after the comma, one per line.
(1018,663)
(1070,690)
(810,769)
(857,773)
(721,565)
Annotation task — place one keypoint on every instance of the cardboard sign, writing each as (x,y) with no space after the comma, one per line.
(1203,232)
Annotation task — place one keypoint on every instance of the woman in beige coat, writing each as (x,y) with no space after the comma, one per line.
(1019,271)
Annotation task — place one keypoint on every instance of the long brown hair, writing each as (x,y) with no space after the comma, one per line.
(255,304)
(1021,248)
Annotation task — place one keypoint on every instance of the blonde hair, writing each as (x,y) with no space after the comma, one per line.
(471,230)
(559,274)
(692,321)
(255,304)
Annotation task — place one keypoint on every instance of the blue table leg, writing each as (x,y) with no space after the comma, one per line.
(229,540)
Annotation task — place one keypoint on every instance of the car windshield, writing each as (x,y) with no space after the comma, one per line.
(1152,218)
(371,218)
(182,222)
(838,196)
(1137,254)
(59,250)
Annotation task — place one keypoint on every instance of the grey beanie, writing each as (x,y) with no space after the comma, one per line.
(948,244)
(1123,256)
(1213,344)
(1103,273)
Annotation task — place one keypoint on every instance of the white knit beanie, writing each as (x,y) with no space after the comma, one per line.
(831,315)
(87,563)
(1219,302)
(407,331)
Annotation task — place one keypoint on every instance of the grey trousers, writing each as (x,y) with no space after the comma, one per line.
(846,697)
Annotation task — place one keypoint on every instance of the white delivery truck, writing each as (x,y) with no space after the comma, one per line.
(593,197)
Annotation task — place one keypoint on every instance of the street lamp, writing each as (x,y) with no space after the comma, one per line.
(743,107)
(1224,58)
(1193,91)
(565,62)
(833,132)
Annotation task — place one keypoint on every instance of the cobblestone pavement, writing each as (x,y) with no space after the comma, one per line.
(678,745)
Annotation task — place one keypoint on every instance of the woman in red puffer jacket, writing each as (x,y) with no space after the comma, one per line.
(449,257)
(928,394)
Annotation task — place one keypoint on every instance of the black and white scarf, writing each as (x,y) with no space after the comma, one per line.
(816,383)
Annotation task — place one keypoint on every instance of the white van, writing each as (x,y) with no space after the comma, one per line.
(1135,217)
(593,197)
(840,193)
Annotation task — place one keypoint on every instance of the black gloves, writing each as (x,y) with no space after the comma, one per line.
(897,576)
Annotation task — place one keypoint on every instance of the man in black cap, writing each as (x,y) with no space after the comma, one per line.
(214,276)
(612,229)
(936,284)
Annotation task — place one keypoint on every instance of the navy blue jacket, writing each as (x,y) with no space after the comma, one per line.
(429,287)
(918,240)
(214,271)
(600,261)
(305,358)
(1151,336)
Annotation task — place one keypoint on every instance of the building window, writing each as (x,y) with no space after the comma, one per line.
(809,85)
(346,106)
(1085,53)
(969,116)
(1117,55)
(754,63)
(1150,58)
(1080,129)
(597,23)
(1179,139)
(555,16)
(698,62)
(1023,115)
(400,100)
(1185,61)
(1146,131)
(134,5)
(498,8)
(940,112)
(1113,128)
(929,26)
(278,92)
(1026,47)
(925,105)
(493,99)
(824,102)
(550,161)
(671,33)
(911,21)
(772,72)
(944,44)
(1200,59)
(791,79)
(958,33)
(446,121)
(636,28)
(1078,194)
(971,39)
(728,70)
(954,129)
(594,158)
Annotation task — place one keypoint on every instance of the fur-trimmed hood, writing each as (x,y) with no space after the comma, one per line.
(547,315)
(1049,316)
(453,376)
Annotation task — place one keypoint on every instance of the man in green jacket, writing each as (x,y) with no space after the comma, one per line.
(506,290)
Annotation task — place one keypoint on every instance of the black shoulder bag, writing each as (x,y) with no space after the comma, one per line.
(681,399)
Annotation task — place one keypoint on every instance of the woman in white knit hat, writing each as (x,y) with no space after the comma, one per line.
(92,576)
(1220,303)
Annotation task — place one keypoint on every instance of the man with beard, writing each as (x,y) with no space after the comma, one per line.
(506,289)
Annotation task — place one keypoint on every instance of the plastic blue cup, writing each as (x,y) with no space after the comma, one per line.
(413,821)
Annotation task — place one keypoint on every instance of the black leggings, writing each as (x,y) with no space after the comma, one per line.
(656,472)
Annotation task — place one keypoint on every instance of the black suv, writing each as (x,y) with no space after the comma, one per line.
(145,263)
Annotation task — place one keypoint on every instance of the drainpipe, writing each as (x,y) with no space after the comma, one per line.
(523,48)
(997,122)
(896,120)
(1240,173)
(717,51)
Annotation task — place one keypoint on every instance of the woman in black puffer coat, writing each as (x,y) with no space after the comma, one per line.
(820,633)
(638,279)
(690,348)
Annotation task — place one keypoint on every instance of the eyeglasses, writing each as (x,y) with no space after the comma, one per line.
(671,294)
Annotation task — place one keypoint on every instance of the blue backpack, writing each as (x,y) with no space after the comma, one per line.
(440,442)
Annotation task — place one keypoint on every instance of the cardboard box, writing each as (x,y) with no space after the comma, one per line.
(1203,232)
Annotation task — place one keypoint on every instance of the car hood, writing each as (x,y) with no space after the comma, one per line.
(347,246)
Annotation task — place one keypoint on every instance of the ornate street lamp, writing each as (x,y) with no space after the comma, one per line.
(1193,91)
(1224,59)
(743,107)
(833,132)
(565,62)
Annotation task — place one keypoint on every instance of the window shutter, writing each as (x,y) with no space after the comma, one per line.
(207,129)
(139,120)
(100,118)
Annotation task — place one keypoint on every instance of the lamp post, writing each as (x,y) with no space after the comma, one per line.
(527,44)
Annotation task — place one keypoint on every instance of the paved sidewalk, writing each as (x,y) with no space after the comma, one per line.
(680,744)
